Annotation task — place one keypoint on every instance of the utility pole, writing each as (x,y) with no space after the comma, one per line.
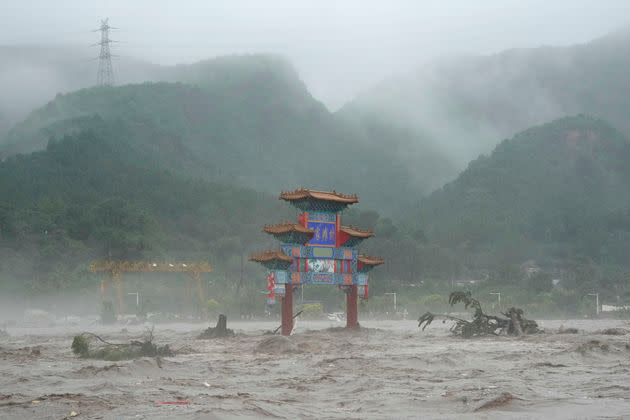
(596,302)
(498,294)
(240,281)
(137,298)
(105,75)
(395,306)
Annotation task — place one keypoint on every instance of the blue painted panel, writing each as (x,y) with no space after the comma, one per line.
(325,233)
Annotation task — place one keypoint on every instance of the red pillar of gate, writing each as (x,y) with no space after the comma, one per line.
(352,312)
(287,310)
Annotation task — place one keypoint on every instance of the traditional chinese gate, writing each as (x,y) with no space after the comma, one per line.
(317,250)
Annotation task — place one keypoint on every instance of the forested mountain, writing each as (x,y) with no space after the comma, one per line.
(553,192)
(93,195)
(88,197)
(170,169)
(464,105)
(247,121)
(430,123)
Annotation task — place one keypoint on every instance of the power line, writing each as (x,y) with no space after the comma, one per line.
(105,74)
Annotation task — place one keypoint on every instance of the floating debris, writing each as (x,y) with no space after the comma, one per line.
(614,331)
(569,330)
(83,346)
(593,345)
(276,344)
(482,324)
(502,400)
(220,330)
(178,402)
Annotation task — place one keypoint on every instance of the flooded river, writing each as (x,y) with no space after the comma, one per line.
(388,369)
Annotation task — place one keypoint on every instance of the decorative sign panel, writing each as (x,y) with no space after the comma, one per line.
(325,233)
(318,216)
(323,252)
(339,253)
(317,278)
(321,266)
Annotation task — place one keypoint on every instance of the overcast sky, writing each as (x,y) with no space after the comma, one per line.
(339,47)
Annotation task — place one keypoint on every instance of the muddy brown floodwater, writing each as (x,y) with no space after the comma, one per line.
(388,369)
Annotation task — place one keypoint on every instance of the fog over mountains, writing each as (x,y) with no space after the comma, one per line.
(466,105)
(454,108)
(169,160)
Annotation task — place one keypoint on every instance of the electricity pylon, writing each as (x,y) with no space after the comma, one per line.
(105,75)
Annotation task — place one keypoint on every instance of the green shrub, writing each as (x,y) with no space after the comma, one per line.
(312,310)
(80,346)
(213,307)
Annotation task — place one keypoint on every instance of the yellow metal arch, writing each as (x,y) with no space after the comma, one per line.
(116,269)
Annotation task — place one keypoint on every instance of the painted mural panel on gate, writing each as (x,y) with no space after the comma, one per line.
(321,266)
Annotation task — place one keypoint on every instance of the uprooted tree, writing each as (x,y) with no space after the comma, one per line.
(91,346)
(482,324)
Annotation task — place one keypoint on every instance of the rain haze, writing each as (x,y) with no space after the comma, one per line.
(339,47)
(327,209)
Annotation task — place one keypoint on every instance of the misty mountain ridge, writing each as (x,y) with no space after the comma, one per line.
(247,121)
(447,112)
(558,190)
(464,105)
(266,76)
(30,75)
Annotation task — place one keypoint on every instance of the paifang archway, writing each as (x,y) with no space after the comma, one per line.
(317,249)
(114,269)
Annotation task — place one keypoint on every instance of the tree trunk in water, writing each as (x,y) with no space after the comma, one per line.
(221,327)
(220,330)
(516,323)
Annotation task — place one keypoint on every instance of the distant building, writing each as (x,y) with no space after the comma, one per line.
(530,268)
(464,283)
(613,308)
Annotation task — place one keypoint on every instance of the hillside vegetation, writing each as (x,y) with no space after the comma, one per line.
(247,121)
(190,169)
(556,193)
(88,197)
